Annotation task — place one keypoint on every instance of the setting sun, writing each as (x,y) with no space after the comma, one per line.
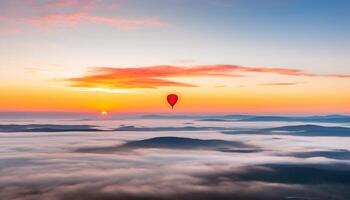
(104,113)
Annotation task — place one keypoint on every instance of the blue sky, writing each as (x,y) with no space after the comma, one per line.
(289,33)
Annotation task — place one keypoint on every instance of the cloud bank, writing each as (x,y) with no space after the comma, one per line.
(47,165)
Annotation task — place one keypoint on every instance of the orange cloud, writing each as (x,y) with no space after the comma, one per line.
(146,77)
(156,76)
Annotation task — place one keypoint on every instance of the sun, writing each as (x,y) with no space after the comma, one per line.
(104,113)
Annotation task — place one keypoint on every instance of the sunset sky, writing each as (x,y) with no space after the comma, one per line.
(237,56)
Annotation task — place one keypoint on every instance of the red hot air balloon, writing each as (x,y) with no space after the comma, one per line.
(172,99)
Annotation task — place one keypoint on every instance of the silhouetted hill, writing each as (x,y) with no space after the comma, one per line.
(324,119)
(299,130)
(308,130)
(176,143)
(197,117)
(214,120)
(256,118)
(46,128)
(340,154)
(182,143)
(185,128)
(299,173)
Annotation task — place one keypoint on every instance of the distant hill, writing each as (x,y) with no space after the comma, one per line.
(46,128)
(214,120)
(197,117)
(169,117)
(176,143)
(339,154)
(181,143)
(299,130)
(323,119)
(298,174)
(256,118)
(313,130)
(185,128)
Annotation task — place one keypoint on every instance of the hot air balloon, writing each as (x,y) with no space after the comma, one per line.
(172,99)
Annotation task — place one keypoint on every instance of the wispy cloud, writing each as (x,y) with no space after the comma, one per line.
(76,18)
(8,30)
(71,13)
(158,76)
(78,4)
(278,84)
(184,61)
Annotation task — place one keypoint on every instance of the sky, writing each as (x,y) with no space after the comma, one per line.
(229,56)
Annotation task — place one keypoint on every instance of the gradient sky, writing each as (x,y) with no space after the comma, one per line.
(247,56)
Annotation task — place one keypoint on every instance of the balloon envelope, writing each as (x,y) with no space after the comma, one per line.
(172,99)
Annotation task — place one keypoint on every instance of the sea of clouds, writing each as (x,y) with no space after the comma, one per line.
(157,165)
